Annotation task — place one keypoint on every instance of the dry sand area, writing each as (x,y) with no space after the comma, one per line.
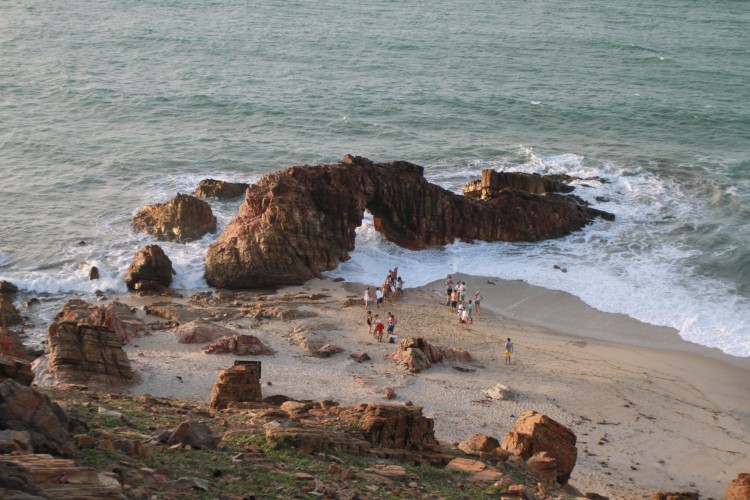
(651,411)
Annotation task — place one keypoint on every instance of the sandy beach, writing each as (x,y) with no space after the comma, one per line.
(650,411)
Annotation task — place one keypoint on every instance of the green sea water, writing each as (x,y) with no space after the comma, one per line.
(108,106)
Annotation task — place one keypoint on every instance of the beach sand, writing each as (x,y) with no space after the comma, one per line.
(650,411)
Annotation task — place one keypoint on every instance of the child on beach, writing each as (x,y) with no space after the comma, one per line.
(391,327)
(379,329)
(508,350)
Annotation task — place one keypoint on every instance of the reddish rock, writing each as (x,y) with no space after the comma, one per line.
(212,188)
(16,369)
(534,433)
(360,357)
(400,427)
(119,318)
(184,218)
(25,409)
(411,359)
(675,495)
(739,489)
(416,354)
(327,350)
(200,331)
(9,314)
(299,222)
(493,182)
(238,384)
(197,435)
(478,444)
(151,270)
(240,345)
(87,355)
(11,345)
(544,467)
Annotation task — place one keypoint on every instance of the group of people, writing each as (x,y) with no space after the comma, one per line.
(391,289)
(375,327)
(456,300)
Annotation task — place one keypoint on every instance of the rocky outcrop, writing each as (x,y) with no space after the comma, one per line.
(416,354)
(238,384)
(478,444)
(197,435)
(239,345)
(9,314)
(151,270)
(116,316)
(675,495)
(399,427)
(184,218)
(87,355)
(200,331)
(25,409)
(739,489)
(493,182)
(212,188)
(535,433)
(16,369)
(10,345)
(299,222)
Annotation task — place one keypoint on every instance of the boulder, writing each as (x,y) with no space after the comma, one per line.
(534,433)
(499,392)
(739,489)
(239,345)
(478,444)
(8,288)
(493,182)
(212,188)
(238,384)
(87,355)
(297,223)
(94,273)
(399,427)
(197,435)
(360,357)
(25,409)
(151,270)
(544,467)
(9,314)
(411,359)
(121,319)
(16,369)
(675,495)
(327,350)
(10,345)
(182,219)
(200,331)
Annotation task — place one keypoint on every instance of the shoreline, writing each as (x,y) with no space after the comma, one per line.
(650,410)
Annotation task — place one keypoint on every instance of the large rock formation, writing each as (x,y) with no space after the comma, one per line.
(739,489)
(237,384)
(27,410)
(212,188)
(151,270)
(184,218)
(398,427)
(86,355)
(116,316)
(493,182)
(301,221)
(535,433)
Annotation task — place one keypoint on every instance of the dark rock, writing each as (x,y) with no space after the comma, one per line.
(94,273)
(360,357)
(493,182)
(151,270)
(8,287)
(17,369)
(9,315)
(299,222)
(212,188)
(197,435)
(240,345)
(184,218)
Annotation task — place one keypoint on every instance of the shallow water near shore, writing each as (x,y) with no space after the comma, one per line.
(112,107)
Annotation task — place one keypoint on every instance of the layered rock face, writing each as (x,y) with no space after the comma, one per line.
(9,315)
(151,270)
(237,384)
(184,218)
(301,221)
(87,355)
(493,182)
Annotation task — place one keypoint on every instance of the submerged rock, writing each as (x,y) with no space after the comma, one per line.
(151,270)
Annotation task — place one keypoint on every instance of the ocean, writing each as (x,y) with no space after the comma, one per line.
(106,107)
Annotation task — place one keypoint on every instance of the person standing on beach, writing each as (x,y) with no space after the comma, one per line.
(470,309)
(454,301)
(379,298)
(449,290)
(366,298)
(391,327)
(369,321)
(507,351)
(462,296)
(477,300)
(378,329)
(400,287)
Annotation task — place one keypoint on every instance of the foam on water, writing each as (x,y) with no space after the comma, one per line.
(629,266)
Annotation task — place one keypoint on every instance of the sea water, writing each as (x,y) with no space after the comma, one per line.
(108,106)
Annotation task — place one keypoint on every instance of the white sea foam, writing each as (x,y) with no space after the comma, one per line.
(626,266)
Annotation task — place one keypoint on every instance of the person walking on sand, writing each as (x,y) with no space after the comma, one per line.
(366,298)
(379,329)
(477,300)
(470,309)
(507,351)
(400,287)
(448,290)
(463,317)
(391,327)
(454,301)
(369,322)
